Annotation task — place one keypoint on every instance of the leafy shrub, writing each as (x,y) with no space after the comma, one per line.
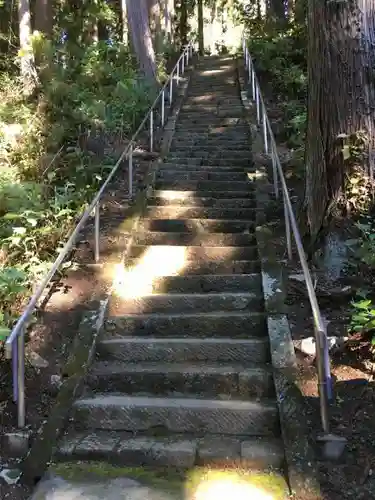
(94,91)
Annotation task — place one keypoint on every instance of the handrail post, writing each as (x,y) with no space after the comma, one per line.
(14,355)
(182,65)
(97,231)
(178,72)
(21,409)
(287,230)
(265,138)
(170,91)
(274,172)
(162,108)
(130,172)
(257,103)
(152,131)
(253,84)
(320,339)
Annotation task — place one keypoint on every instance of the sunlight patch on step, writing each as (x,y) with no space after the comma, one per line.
(157,262)
(229,484)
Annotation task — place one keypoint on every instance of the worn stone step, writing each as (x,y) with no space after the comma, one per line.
(214,134)
(156,253)
(210,145)
(204,185)
(192,267)
(224,132)
(200,120)
(215,153)
(177,212)
(197,197)
(179,350)
(197,225)
(209,160)
(198,168)
(171,379)
(175,175)
(240,325)
(185,303)
(137,413)
(185,239)
(204,283)
(176,450)
(205,202)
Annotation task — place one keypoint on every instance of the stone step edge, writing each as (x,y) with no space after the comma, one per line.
(211,350)
(176,450)
(192,367)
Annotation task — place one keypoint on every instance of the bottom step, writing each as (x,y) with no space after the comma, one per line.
(104,480)
(177,450)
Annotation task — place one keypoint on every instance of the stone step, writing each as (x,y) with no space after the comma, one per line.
(240,325)
(177,212)
(203,240)
(221,134)
(215,153)
(202,380)
(212,113)
(156,253)
(213,100)
(197,225)
(204,159)
(187,303)
(205,202)
(200,119)
(210,144)
(176,450)
(205,185)
(195,197)
(198,168)
(205,283)
(137,413)
(175,175)
(179,350)
(195,267)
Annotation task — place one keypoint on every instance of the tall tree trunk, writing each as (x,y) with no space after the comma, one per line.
(43,17)
(141,36)
(338,101)
(26,53)
(200,28)
(168,16)
(277,10)
(124,22)
(183,22)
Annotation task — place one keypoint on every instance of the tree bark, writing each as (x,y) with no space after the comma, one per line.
(183,22)
(200,28)
(141,36)
(43,17)
(27,68)
(124,23)
(168,16)
(338,99)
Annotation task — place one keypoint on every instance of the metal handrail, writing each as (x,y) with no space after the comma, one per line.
(15,343)
(322,353)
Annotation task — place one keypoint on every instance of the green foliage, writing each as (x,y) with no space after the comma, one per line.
(363,317)
(363,247)
(92,94)
(280,57)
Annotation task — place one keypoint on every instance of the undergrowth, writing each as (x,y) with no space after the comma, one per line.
(280,57)
(56,146)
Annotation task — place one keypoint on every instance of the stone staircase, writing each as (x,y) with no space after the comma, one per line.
(183,373)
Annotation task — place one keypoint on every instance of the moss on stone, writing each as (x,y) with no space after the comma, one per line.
(165,479)
(184,483)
